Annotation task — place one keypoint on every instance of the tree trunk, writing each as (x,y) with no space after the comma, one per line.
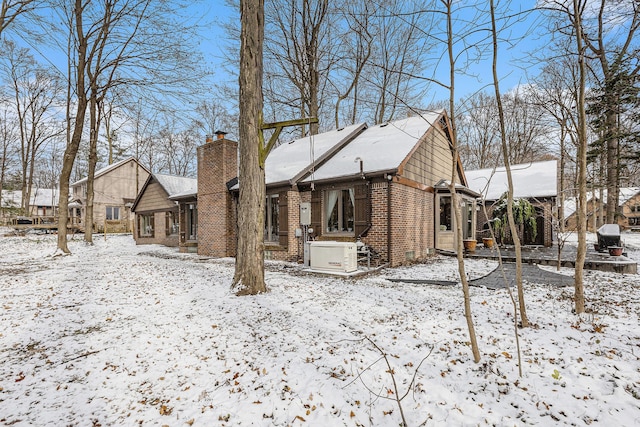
(562,185)
(249,269)
(612,169)
(71,150)
(454,198)
(93,160)
(505,154)
(582,163)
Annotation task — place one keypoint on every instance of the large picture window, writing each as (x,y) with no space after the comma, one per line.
(145,225)
(339,211)
(113,213)
(271,218)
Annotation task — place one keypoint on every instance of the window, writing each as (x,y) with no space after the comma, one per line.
(173,224)
(445,213)
(191,217)
(271,218)
(113,213)
(145,225)
(339,208)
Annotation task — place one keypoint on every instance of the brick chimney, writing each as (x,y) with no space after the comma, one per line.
(217,165)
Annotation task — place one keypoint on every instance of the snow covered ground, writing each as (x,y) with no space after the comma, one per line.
(119,334)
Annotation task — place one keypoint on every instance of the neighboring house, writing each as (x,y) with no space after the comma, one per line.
(537,182)
(383,185)
(43,204)
(629,210)
(157,216)
(115,189)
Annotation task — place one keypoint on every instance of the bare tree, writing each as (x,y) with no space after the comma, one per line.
(568,15)
(448,12)
(178,149)
(77,29)
(212,117)
(35,94)
(478,132)
(130,43)
(505,154)
(301,52)
(556,94)
(355,50)
(11,9)
(249,272)
(9,139)
(398,48)
(525,128)
(575,16)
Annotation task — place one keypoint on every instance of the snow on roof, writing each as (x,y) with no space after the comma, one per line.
(109,168)
(176,185)
(570,207)
(185,194)
(626,193)
(381,147)
(39,197)
(535,179)
(286,161)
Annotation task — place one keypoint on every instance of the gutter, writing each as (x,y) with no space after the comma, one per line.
(389,181)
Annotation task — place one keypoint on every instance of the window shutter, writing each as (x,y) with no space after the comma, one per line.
(167,223)
(362,210)
(283,219)
(183,222)
(153,225)
(316,212)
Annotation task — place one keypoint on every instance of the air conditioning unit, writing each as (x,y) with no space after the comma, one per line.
(334,256)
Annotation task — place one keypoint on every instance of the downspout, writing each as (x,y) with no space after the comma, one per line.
(369,221)
(389,179)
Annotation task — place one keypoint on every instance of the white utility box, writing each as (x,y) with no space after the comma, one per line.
(334,256)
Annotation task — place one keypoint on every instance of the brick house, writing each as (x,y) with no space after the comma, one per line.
(537,182)
(375,184)
(157,215)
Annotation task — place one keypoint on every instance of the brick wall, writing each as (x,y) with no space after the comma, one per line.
(293,252)
(217,164)
(412,222)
